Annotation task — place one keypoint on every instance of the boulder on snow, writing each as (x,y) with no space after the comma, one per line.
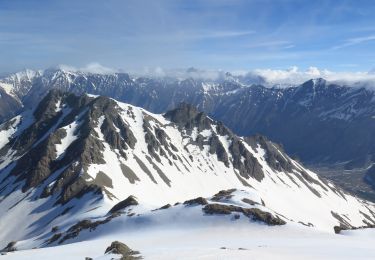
(85,224)
(167,206)
(11,247)
(196,201)
(223,195)
(254,213)
(119,248)
(129,201)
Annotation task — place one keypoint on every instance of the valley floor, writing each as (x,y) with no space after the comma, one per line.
(230,242)
(349,180)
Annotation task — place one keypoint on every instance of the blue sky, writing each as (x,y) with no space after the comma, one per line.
(212,34)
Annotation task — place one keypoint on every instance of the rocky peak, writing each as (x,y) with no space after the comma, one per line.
(188,116)
(39,159)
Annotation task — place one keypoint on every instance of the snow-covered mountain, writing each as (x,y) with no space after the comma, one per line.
(77,167)
(320,122)
(20,83)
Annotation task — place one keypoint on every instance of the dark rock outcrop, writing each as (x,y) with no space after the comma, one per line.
(76,229)
(126,253)
(36,145)
(196,201)
(340,228)
(223,195)
(167,206)
(11,247)
(9,106)
(188,117)
(253,213)
(129,201)
(250,167)
(54,238)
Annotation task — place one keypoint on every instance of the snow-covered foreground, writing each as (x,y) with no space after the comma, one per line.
(225,242)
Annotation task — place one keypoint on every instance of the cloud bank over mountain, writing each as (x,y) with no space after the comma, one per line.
(295,76)
(93,67)
(288,77)
(269,77)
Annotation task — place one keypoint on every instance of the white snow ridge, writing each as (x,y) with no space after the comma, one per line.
(89,171)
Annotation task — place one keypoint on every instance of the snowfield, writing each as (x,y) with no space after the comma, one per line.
(224,242)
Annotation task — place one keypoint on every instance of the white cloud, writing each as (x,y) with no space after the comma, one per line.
(97,68)
(215,34)
(149,72)
(354,41)
(94,67)
(270,77)
(294,76)
(66,67)
(181,73)
(271,44)
(187,36)
(291,76)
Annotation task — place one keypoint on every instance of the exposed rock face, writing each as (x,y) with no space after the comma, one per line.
(188,117)
(197,201)
(250,167)
(167,206)
(130,201)
(223,195)
(338,229)
(274,159)
(40,139)
(119,248)
(11,247)
(76,229)
(9,106)
(54,238)
(254,213)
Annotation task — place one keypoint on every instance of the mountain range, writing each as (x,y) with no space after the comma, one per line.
(78,167)
(327,126)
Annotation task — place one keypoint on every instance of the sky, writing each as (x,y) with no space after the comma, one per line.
(336,35)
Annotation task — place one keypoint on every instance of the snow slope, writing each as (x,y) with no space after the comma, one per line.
(62,166)
(244,242)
